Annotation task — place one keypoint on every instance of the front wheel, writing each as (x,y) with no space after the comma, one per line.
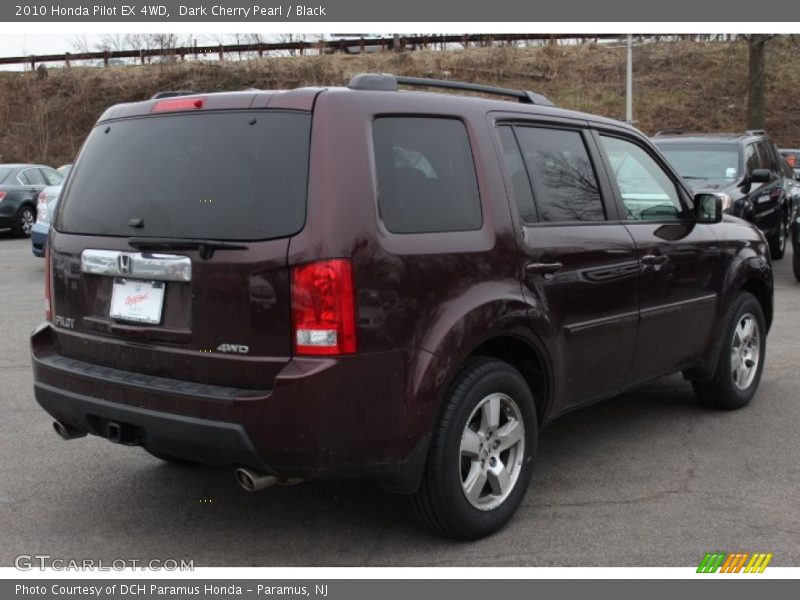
(481,456)
(25,220)
(741,358)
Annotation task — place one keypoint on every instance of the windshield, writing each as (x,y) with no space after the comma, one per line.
(220,175)
(703,161)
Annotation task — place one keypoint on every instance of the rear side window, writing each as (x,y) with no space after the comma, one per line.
(219,175)
(426,175)
(31,177)
(564,184)
(4,173)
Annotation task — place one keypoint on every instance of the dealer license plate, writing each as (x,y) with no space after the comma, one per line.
(137,301)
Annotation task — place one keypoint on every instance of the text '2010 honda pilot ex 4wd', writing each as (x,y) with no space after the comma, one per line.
(399,286)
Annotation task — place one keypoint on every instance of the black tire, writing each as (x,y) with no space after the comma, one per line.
(441,504)
(777,243)
(721,391)
(796,264)
(26,217)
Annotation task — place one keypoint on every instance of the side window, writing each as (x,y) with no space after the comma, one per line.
(426,175)
(764,161)
(51,176)
(751,158)
(520,184)
(647,191)
(31,177)
(564,183)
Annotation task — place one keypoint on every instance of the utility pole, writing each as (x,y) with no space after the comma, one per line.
(629,83)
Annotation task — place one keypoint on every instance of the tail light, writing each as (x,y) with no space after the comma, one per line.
(323,308)
(2,195)
(48,305)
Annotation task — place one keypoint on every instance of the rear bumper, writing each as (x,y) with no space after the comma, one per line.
(357,416)
(39,235)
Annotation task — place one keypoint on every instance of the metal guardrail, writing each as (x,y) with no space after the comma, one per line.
(324,46)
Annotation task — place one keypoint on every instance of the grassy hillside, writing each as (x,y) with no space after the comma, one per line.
(694,86)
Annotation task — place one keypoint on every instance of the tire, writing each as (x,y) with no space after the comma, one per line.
(26,217)
(777,243)
(730,389)
(796,264)
(483,387)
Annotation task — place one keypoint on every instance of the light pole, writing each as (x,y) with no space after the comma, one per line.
(629,83)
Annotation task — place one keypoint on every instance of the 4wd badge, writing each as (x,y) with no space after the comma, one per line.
(233,348)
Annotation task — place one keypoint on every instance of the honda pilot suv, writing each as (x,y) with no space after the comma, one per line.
(398,286)
(746,171)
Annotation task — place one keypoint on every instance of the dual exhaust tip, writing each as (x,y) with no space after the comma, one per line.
(253,481)
(248,479)
(67,432)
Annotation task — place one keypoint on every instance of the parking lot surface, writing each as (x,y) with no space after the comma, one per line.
(646,479)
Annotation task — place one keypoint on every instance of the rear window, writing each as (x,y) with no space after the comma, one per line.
(4,173)
(225,175)
(426,175)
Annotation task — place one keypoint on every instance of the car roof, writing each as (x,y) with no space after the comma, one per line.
(21,165)
(695,138)
(304,98)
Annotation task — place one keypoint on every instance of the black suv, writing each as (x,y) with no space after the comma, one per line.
(744,170)
(412,310)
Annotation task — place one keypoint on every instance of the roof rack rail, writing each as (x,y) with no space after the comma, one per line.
(172,94)
(755,132)
(386,82)
(669,132)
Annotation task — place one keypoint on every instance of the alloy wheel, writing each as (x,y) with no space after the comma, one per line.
(745,351)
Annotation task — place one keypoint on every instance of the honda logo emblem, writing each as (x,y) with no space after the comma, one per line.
(124,264)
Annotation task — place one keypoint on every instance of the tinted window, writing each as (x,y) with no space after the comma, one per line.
(51,176)
(31,177)
(226,175)
(703,161)
(564,183)
(4,173)
(752,160)
(647,191)
(520,184)
(426,176)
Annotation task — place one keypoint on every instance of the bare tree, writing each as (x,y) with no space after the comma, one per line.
(756,80)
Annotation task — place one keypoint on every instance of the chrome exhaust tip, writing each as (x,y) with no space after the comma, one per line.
(253,481)
(67,432)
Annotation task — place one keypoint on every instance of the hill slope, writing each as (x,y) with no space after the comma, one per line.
(688,85)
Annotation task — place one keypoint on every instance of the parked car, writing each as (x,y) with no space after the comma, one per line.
(792,156)
(744,170)
(20,185)
(533,260)
(48,199)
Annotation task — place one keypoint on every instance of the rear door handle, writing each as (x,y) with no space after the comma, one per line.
(654,259)
(543,268)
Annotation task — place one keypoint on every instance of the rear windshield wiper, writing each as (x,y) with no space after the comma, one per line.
(206,247)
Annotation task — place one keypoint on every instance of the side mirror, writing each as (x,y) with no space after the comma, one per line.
(707,208)
(759,176)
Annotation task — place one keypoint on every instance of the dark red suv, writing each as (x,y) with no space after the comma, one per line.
(400,286)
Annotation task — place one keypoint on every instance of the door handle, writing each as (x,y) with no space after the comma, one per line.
(654,259)
(543,268)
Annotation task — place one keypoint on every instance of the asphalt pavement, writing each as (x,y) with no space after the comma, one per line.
(646,479)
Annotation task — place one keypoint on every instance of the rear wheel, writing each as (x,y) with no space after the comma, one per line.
(741,358)
(481,456)
(25,220)
(796,264)
(777,243)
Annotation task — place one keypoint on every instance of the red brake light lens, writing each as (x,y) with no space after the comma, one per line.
(2,195)
(323,308)
(48,307)
(177,104)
